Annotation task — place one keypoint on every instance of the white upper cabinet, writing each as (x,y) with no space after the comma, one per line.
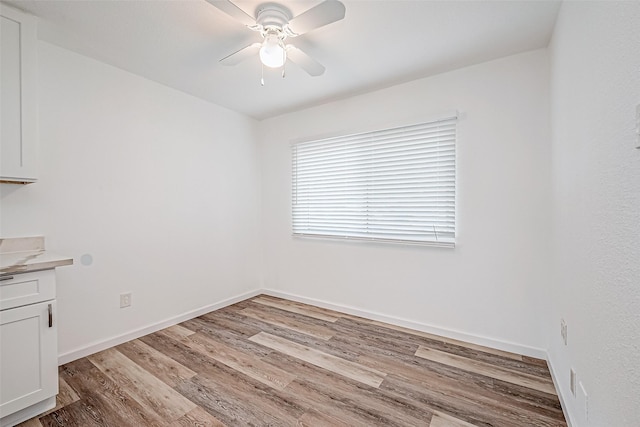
(18,108)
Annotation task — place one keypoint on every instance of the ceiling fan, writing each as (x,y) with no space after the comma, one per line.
(275,25)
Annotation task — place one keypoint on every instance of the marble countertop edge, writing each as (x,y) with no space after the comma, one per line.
(23,255)
(24,262)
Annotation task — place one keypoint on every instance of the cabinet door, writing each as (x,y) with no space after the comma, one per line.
(17,96)
(28,356)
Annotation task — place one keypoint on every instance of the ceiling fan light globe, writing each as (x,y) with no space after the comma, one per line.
(272,53)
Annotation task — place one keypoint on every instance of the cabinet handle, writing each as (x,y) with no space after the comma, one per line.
(3,278)
(50,316)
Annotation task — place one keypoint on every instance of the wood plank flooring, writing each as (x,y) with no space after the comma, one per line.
(272,362)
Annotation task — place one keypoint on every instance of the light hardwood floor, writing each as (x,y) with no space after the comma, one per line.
(269,361)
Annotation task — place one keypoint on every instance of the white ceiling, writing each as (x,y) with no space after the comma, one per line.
(379,43)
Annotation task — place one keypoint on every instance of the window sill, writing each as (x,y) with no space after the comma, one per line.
(373,240)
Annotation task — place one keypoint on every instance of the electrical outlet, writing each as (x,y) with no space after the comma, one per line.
(572,383)
(638,124)
(125,300)
(563,331)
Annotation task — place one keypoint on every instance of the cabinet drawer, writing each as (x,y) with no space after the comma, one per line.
(27,288)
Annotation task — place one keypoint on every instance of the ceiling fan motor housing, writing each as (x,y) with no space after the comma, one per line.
(272,16)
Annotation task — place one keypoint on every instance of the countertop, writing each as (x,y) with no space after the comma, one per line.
(25,254)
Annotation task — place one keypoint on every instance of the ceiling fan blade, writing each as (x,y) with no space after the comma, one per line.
(234,11)
(318,16)
(304,61)
(241,55)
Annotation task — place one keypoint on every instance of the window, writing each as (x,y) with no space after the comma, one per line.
(395,185)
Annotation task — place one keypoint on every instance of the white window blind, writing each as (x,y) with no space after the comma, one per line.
(394,185)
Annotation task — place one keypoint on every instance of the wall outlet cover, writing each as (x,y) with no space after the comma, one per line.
(125,300)
(638,125)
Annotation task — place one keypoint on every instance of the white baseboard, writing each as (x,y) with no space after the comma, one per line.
(28,412)
(137,333)
(449,333)
(563,402)
(423,327)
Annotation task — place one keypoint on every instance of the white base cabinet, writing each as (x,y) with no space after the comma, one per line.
(29,346)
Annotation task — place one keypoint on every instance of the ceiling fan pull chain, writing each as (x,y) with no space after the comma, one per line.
(262,74)
(284,60)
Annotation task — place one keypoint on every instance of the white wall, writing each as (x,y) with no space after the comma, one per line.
(493,284)
(595,58)
(159,187)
